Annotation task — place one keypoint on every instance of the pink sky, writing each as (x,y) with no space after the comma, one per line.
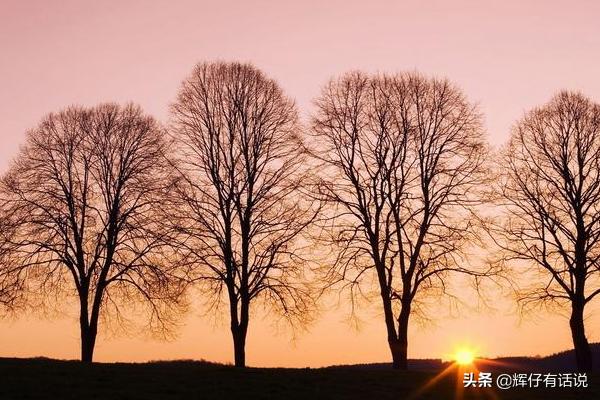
(507,56)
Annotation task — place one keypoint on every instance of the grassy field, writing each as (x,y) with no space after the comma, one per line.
(51,379)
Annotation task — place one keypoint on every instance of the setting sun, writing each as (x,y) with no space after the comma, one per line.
(464,357)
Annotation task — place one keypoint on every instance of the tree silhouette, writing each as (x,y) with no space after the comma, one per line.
(402,159)
(551,192)
(240,210)
(11,278)
(80,201)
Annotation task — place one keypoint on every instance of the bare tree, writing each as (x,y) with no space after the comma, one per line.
(11,278)
(551,197)
(402,159)
(81,201)
(241,212)
(9,289)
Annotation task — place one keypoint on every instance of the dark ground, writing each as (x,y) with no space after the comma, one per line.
(52,379)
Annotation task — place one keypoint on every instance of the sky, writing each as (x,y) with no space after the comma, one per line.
(507,56)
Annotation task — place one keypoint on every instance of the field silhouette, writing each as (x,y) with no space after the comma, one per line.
(39,378)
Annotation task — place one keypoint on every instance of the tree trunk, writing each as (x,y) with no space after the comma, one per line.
(583,353)
(88,342)
(239,346)
(399,347)
(398,350)
(89,329)
(238,325)
(86,338)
